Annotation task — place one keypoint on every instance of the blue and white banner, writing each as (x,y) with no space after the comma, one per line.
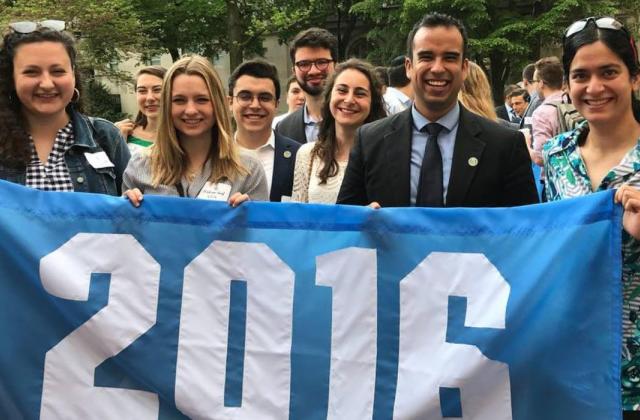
(282,311)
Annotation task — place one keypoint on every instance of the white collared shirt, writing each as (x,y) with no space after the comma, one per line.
(266,155)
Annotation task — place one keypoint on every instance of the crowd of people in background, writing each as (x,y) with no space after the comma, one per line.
(423,132)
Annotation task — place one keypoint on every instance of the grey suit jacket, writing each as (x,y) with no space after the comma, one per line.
(293,126)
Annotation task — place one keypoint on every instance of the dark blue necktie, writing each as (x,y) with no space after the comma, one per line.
(430,190)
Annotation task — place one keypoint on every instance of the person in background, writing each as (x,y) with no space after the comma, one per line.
(505,111)
(399,94)
(295,100)
(314,53)
(194,154)
(254,90)
(142,132)
(382,73)
(351,98)
(519,100)
(45,142)
(530,85)
(601,67)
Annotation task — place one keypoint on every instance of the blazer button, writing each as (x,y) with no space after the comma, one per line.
(80,179)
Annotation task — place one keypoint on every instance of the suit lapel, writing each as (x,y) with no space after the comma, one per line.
(467,154)
(397,143)
(281,165)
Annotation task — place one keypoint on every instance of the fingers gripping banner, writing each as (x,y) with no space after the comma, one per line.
(185,308)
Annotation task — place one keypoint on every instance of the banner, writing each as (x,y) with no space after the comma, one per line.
(284,311)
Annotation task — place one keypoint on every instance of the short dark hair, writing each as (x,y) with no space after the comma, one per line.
(527,72)
(433,20)
(398,76)
(290,80)
(509,89)
(520,92)
(550,72)
(257,68)
(383,75)
(314,38)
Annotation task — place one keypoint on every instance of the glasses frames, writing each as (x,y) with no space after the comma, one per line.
(29,27)
(246,98)
(321,64)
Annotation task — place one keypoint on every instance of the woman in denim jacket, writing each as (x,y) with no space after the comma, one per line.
(45,143)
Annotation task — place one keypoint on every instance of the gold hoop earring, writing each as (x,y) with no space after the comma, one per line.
(76,96)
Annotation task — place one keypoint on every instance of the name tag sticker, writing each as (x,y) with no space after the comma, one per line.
(99,160)
(528,120)
(215,191)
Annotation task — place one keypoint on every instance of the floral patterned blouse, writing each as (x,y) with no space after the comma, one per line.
(567,177)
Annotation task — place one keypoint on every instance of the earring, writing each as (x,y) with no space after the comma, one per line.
(76,96)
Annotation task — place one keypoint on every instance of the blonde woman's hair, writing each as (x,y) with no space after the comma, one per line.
(168,158)
(475,94)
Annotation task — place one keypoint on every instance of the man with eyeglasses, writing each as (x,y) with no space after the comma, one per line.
(254,92)
(313,53)
(529,84)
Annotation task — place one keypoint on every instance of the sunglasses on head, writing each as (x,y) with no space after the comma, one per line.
(29,27)
(607,23)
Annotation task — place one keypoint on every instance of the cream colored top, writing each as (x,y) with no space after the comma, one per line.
(306,183)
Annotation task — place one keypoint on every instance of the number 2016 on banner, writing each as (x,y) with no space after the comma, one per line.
(68,383)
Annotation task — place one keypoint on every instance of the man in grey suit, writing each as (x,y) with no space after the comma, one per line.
(314,53)
(437,153)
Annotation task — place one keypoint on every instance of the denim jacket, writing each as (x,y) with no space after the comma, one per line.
(90,135)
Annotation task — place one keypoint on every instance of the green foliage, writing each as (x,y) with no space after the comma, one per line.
(106,30)
(98,102)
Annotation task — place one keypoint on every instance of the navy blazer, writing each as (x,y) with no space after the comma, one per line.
(491,165)
(284,161)
(292,126)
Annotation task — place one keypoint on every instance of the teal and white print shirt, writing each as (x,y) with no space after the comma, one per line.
(566,177)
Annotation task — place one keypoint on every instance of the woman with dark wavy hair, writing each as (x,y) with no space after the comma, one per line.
(601,68)
(45,142)
(351,98)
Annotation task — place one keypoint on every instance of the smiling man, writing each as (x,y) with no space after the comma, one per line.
(437,153)
(254,91)
(313,53)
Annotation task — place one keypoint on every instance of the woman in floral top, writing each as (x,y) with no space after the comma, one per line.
(601,68)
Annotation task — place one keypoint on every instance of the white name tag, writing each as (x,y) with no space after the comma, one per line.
(215,191)
(528,120)
(99,160)
(285,199)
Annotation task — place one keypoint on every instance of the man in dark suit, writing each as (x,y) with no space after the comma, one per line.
(313,53)
(254,91)
(437,153)
(505,111)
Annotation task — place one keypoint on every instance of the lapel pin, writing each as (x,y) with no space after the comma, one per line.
(473,161)
(287,154)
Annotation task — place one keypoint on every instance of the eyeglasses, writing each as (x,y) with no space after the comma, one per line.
(321,64)
(29,27)
(606,22)
(246,98)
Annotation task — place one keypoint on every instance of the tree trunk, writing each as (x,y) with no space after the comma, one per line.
(234,25)
(497,77)
(175,54)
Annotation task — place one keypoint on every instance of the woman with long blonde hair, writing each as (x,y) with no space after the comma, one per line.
(475,94)
(194,154)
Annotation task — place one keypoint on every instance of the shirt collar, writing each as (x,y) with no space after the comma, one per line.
(448,120)
(307,118)
(271,141)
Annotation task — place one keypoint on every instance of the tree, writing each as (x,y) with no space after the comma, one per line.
(503,35)
(107,30)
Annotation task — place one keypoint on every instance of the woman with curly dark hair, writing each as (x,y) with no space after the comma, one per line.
(351,98)
(45,142)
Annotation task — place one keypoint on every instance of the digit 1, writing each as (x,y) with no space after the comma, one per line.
(352,275)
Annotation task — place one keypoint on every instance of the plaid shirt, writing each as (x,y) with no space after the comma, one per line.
(54,174)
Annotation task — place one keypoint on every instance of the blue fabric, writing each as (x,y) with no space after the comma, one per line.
(564,300)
